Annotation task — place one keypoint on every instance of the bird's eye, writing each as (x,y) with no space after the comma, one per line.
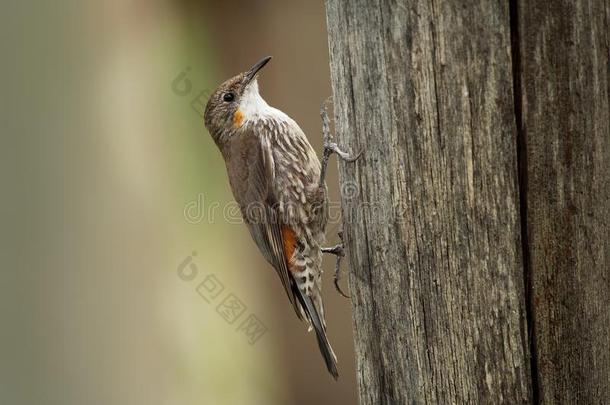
(228,97)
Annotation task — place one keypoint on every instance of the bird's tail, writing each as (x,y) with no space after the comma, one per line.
(318,325)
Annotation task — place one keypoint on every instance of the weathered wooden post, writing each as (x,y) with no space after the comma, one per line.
(563,74)
(478,218)
(425,90)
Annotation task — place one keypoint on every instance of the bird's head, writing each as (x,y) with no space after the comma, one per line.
(234,102)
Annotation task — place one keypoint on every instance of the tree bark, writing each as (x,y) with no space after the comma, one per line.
(565,125)
(431,209)
(478,217)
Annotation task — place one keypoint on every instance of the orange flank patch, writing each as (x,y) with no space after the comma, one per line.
(290,243)
(238,118)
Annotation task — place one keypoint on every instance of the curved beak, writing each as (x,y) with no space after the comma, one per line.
(251,74)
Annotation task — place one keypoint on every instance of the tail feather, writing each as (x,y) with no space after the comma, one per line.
(312,313)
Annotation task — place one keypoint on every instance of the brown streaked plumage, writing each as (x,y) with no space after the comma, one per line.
(274,175)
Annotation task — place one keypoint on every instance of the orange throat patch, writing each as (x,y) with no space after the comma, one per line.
(238,119)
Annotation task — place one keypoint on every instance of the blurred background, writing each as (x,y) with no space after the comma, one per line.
(127,277)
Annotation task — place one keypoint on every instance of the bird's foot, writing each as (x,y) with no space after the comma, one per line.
(330,146)
(338,251)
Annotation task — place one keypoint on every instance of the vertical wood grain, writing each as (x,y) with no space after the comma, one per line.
(564,67)
(431,209)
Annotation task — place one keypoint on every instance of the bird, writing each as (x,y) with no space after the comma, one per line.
(275,177)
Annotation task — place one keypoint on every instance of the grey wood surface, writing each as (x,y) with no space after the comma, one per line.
(564,78)
(431,209)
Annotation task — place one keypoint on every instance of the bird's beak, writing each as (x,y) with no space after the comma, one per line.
(251,74)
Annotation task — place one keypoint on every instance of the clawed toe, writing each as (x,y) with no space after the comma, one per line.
(338,251)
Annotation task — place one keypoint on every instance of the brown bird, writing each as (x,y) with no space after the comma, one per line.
(275,177)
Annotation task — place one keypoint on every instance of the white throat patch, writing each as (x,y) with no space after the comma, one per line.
(252,106)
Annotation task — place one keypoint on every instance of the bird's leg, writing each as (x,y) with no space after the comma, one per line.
(338,251)
(330,147)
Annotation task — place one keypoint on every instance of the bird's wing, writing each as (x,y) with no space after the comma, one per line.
(274,239)
(260,209)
